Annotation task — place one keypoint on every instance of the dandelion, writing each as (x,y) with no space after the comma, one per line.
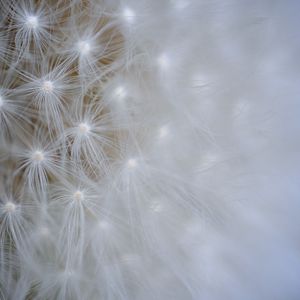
(149,149)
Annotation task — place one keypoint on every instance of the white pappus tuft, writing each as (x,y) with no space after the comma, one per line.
(149,150)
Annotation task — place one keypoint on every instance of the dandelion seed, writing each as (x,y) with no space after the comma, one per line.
(88,137)
(141,135)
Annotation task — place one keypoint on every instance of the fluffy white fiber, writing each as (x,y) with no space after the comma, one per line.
(149,149)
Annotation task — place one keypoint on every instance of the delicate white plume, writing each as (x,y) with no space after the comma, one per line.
(149,149)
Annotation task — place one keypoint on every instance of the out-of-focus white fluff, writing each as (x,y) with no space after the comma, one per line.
(149,150)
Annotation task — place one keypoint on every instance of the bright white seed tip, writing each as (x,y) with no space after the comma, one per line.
(47,86)
(32,22)
(78,196)
(84,128)
(83,47)
(163,131)
(38,156)
(131,163)
(163,61)
(10,207)
(1,101)
(120,92)
(128,15)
